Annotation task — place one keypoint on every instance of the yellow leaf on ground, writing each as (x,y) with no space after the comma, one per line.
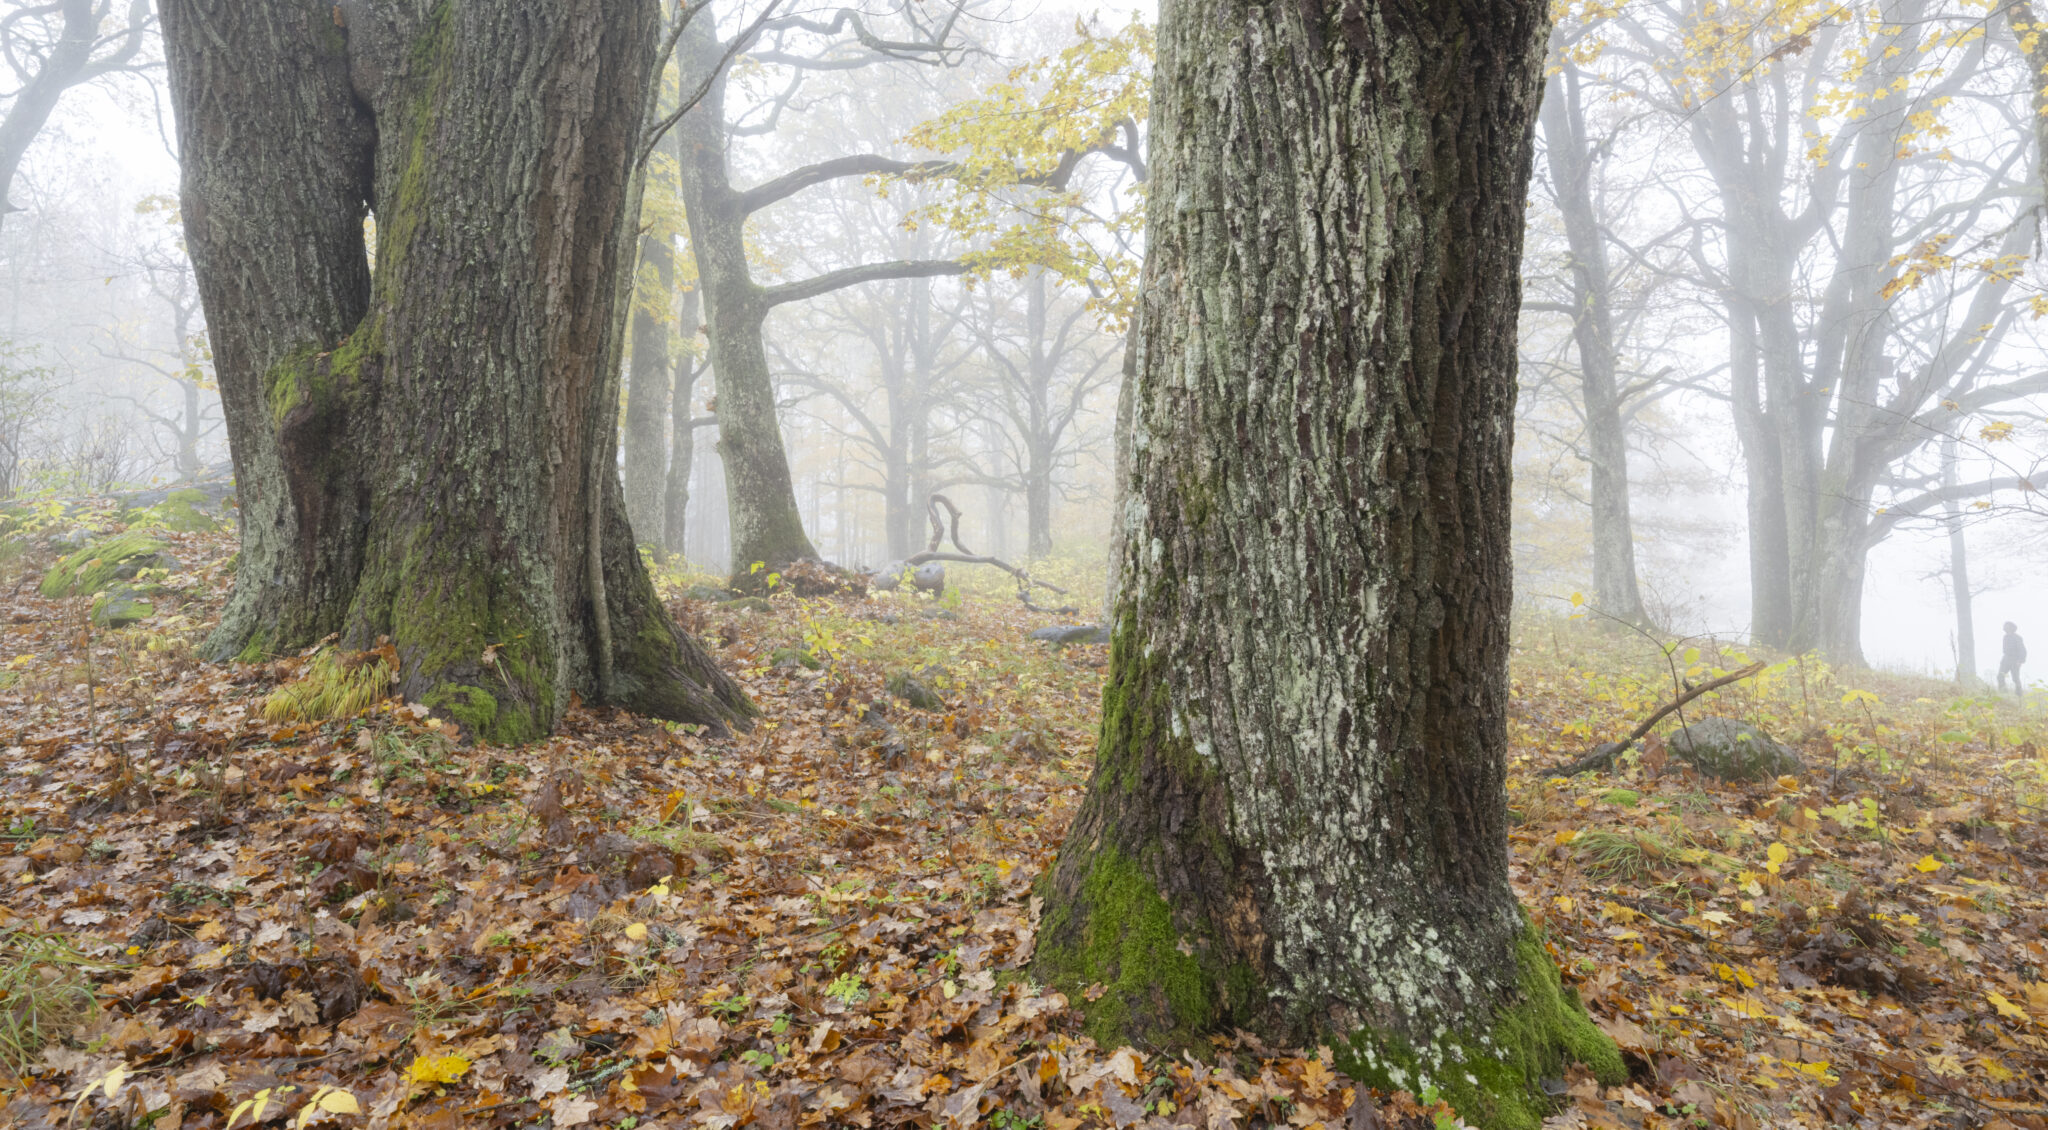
(428,1070)
(2005,1007)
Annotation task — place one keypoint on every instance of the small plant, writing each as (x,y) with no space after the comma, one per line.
(847,989)
(44,995)
(335,685)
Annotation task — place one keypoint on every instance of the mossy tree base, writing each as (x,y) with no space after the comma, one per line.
(425,453)
(1494,1075)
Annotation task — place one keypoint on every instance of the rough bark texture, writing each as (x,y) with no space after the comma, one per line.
(1571,158)
(427,453)
(1298,818)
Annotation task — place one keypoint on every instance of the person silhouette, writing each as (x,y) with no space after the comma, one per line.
(2015,654)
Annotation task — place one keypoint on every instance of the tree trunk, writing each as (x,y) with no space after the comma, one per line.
(648,392)
(682,437)
(427,453)
(1298,819)
(1959,571)
(766,526)
(1038,504)
(1571,160)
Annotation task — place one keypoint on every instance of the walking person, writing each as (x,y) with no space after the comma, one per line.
(2015,654)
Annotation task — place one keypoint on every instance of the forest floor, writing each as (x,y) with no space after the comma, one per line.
(210,918)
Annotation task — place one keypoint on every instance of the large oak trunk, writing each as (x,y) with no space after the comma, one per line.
(426,451)
(1298,820)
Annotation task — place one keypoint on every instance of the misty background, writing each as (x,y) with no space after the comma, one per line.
(927,384)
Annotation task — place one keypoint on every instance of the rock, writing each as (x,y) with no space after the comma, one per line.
(101,564)
(794,657)
(747,604)
(1732,750)
(121,606)
(914,691)
(1060,635)
(929,577)
(712,593)
(185,511)
(941,614)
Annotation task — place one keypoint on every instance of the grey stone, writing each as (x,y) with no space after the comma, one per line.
(1732,750)
(913,690)
(121,606)
(1061,635)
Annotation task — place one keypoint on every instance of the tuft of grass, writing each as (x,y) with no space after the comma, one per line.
(44,995)
(1620,855)
(335,685)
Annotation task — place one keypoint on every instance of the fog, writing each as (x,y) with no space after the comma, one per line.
(1890,165)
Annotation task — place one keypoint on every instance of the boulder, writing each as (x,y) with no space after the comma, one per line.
(1732,750)
(104,563)
(1061,635)
(915,691)
(186,511)
(121,606)
(929,577)
(712,593)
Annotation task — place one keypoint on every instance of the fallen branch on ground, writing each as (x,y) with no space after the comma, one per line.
(966,556)
(1603,755)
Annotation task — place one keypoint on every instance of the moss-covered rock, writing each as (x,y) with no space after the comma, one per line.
(747,604)
(185,511)
(794,657)
(120,606)
(103,563)
(1495,1078)
(914,691)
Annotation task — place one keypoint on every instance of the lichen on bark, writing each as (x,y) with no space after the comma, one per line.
(1298,820)
(421,451)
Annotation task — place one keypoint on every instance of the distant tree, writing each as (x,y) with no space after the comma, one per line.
(427,451)
(1573,152)
(1865,276)
(1297,823)
(766,524)
(915,356)
(1041,366)
(50,48)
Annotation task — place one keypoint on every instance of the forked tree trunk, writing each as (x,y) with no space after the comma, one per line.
(1298,819)
(767,529)
(426,452)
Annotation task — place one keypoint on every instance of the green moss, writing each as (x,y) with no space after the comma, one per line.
(1158,991)
(184,511)
(1623,798)
(474,707)
(257,649)
(290,382)
(92,569)
(1495,1080)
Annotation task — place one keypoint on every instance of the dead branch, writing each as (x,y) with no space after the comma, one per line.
(941,529)
(1604,754)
